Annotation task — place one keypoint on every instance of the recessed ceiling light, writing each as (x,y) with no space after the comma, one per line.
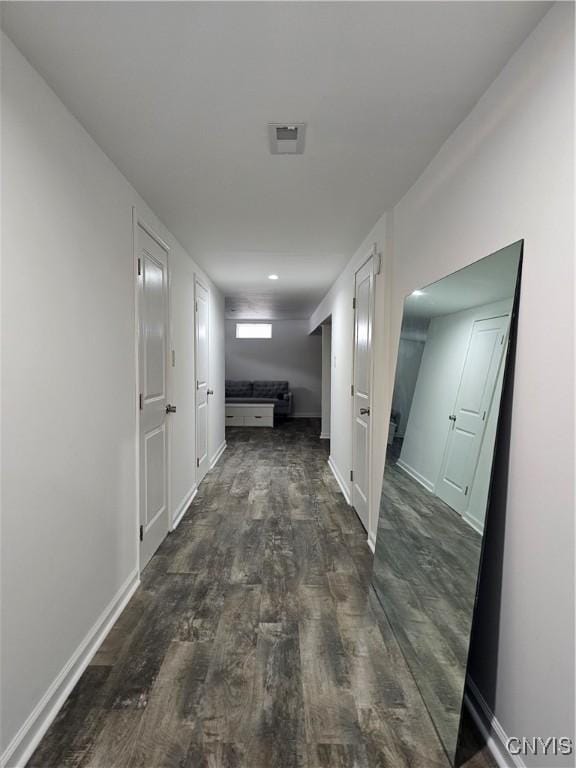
(272,277)
(417,293)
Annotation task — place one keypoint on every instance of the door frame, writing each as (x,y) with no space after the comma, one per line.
(138,221)
(375,257)
(199,281)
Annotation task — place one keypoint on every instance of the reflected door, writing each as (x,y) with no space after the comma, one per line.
(468,420)
(201,381)
(153,313)
(363,303)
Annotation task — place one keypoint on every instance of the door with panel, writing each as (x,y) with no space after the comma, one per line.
(361,389)
(202,389)
(152,257)
(469,417)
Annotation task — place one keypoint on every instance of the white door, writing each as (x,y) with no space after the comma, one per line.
(361,394)
(152,343)
(326,381)
(202,391)
(468,419)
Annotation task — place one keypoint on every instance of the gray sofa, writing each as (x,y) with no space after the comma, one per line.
(277,392)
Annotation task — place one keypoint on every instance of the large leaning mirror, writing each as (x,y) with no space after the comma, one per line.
(449,376)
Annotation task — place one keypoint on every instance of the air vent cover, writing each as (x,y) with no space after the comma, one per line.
(286,138)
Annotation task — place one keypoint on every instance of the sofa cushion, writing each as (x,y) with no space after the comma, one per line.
(270,389)
(238,388)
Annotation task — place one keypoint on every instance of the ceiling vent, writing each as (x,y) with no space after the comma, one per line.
(286,138)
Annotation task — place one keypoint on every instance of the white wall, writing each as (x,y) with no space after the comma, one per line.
(69,515)
(292,354)
(407,368)
(505,174)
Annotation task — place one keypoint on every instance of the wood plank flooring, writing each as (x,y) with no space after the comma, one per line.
(425,573)
(253,641)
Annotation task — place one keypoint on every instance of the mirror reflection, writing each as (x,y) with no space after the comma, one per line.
(449,374)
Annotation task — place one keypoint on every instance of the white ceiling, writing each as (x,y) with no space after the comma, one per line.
(179,96)
(482,282)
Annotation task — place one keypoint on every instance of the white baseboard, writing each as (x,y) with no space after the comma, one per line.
(339,479)
(324,435)
(183,506)
(372,542)
(488,725)
(473,523)
(416,475)
(18,752)
(216,457)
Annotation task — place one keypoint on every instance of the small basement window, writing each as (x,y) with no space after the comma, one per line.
(253,330)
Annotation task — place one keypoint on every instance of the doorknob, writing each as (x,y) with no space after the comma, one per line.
(209,391)
(170,408)
(364,411)
(452,417)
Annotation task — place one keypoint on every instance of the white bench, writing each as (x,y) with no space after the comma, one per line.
(250,415)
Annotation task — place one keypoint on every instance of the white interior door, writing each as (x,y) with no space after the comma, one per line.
(202,390)
(473,402)
(361,389)
(152,340)
(326,381)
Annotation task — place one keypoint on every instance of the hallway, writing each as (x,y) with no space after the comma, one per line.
(251,641)
(215,214)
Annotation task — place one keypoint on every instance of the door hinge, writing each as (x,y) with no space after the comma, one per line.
(351,475)
(466,491)
(483,415)
(196,306)
(197,462)
(140,400)
(502,340)
(354,303)
(352,390)
(141,533)
(139,267)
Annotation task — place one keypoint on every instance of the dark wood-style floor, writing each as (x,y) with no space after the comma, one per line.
(252,641)
(425,572)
